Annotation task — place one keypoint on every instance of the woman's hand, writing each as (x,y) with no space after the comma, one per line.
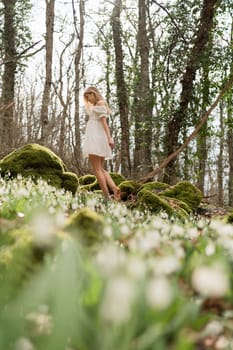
(111,142)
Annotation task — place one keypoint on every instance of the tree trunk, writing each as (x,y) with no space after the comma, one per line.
(220,159)
(77,63)
(50,4)
(143,100)
(122,96)
(230,147)
(8,83)
(187,82)
(202,136)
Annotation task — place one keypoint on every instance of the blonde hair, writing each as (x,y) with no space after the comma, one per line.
(97,95)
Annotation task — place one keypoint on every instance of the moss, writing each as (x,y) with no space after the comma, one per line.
(37,161)
(154,186)
(69,181)
(86,179)
(117,178)
(94,186)
(177,204)
(87,226)
(128,188)
(186,192)
(230,218)
(153,202)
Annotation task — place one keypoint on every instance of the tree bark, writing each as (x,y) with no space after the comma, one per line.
(50,4)
(77,62)
(220,168)
(202,136)
(122,96)
(143,100)
(8,83)
(187,82)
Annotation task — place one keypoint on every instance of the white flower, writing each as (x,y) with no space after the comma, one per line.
(159,293)
(108,231)
(135,267)
(213,328)
(43,229)
(210,249)
(110,259)
(166,265)
(192,232)
(23,344)
(210,281)
(117,301)
(221,228)
(222,343)
(177,230)
(40,320)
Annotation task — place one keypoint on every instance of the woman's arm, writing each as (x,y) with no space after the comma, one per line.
(107,131)
(105,126)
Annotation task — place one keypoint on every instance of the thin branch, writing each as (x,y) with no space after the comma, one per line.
(5,107)
(172,19)
(22,54)
(202,121)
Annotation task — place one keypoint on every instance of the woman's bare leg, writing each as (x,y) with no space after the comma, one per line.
(111,183)
(97,165)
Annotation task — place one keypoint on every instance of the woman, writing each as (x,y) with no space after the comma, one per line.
(98,142)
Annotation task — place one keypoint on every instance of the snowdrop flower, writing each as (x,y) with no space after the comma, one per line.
(222,343)
(125,230)
(74,205)
(210,281)
(216,225)
(213,328)
(43,229)
(177,231)
(108,231)
(40,320)
(23,344)
(118,299)
(179,251)
(166,265)
(110,259)
(91,203)
(136,267)
(159,293)
(210,249)
(21,192)
(145,243)
(227,230)
(192,232)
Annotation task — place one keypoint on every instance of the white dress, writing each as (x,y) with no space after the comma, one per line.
(95,139)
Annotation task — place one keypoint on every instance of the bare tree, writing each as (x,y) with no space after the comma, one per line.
(8,84)
(77,63)
(122,96)
(50,5)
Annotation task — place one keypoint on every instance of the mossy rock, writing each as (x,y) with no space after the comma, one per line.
(155,186)
(178,204)
(117,178)
(128,187)
(37,161)
(186,192)
(87,226)
(229,218)
(86,179)
(153,202)
(157,204)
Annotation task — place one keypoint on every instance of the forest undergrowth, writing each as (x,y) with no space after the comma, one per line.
(80,273)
